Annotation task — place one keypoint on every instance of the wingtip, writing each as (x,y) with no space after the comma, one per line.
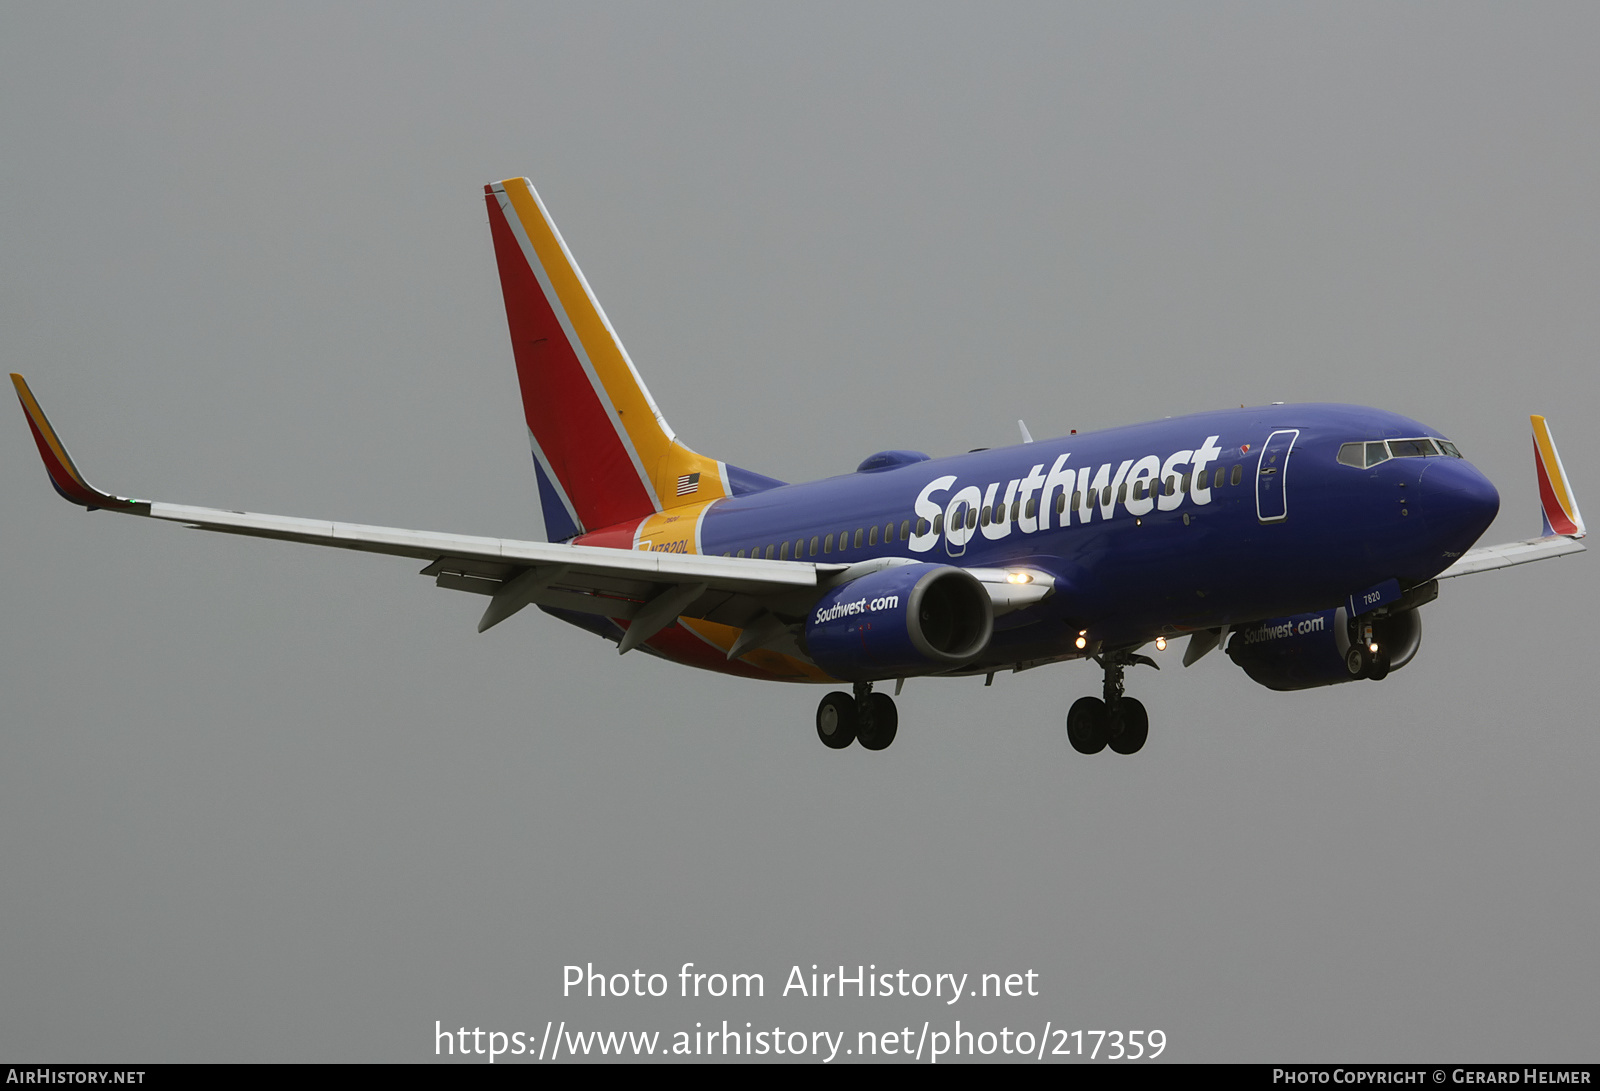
(64,474)
(1557,500)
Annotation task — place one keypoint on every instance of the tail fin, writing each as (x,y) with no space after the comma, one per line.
(1561,515)
(602,451)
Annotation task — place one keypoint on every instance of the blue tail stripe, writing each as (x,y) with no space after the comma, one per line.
(558,525)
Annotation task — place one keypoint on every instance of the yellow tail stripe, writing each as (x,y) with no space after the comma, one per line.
(663,459)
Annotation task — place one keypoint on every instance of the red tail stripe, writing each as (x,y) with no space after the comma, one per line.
(571,425)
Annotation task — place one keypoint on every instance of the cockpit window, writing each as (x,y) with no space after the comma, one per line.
(1412,448)
(1372,452)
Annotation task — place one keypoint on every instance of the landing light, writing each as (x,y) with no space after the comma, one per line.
(1161,643)
(1018,577)
(1083,639)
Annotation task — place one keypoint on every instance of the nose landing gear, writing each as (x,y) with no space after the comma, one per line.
(1116,721)
(1366,658)
(867,717)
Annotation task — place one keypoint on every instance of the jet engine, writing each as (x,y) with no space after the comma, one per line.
(902,621)
(1326,648)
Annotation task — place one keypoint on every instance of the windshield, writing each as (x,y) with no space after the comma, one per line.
(1372,452)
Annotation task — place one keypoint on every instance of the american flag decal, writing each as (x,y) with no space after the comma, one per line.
(688,483)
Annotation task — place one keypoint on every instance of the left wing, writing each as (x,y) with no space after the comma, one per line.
(1563,524)
(648,590)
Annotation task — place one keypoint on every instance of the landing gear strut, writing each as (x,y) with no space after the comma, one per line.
(1116,721)
(844,718)
(1366,659)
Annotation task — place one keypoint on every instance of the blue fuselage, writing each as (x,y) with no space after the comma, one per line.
(1186,523)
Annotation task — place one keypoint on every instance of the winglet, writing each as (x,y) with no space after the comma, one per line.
(1560,505)
(63,474)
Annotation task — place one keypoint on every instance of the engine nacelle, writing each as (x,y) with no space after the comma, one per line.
(1310,650)
(897,622)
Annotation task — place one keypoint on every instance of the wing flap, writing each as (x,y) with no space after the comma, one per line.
(723,573)
(592,580)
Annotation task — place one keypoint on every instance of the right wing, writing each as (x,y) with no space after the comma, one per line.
(1563,524)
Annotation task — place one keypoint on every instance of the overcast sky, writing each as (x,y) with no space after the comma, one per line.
(269,802)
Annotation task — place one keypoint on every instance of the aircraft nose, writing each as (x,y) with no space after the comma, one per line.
(1456,499)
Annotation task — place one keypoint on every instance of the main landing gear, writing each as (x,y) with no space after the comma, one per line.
(1116,721)
(867,717)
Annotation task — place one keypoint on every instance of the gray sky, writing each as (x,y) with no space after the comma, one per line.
(270,802)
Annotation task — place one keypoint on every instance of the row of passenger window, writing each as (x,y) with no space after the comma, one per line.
(823,545)
(1372,452)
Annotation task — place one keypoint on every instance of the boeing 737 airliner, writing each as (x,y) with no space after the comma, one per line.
(1304,537)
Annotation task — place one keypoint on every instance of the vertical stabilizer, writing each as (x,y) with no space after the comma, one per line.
(602,451)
